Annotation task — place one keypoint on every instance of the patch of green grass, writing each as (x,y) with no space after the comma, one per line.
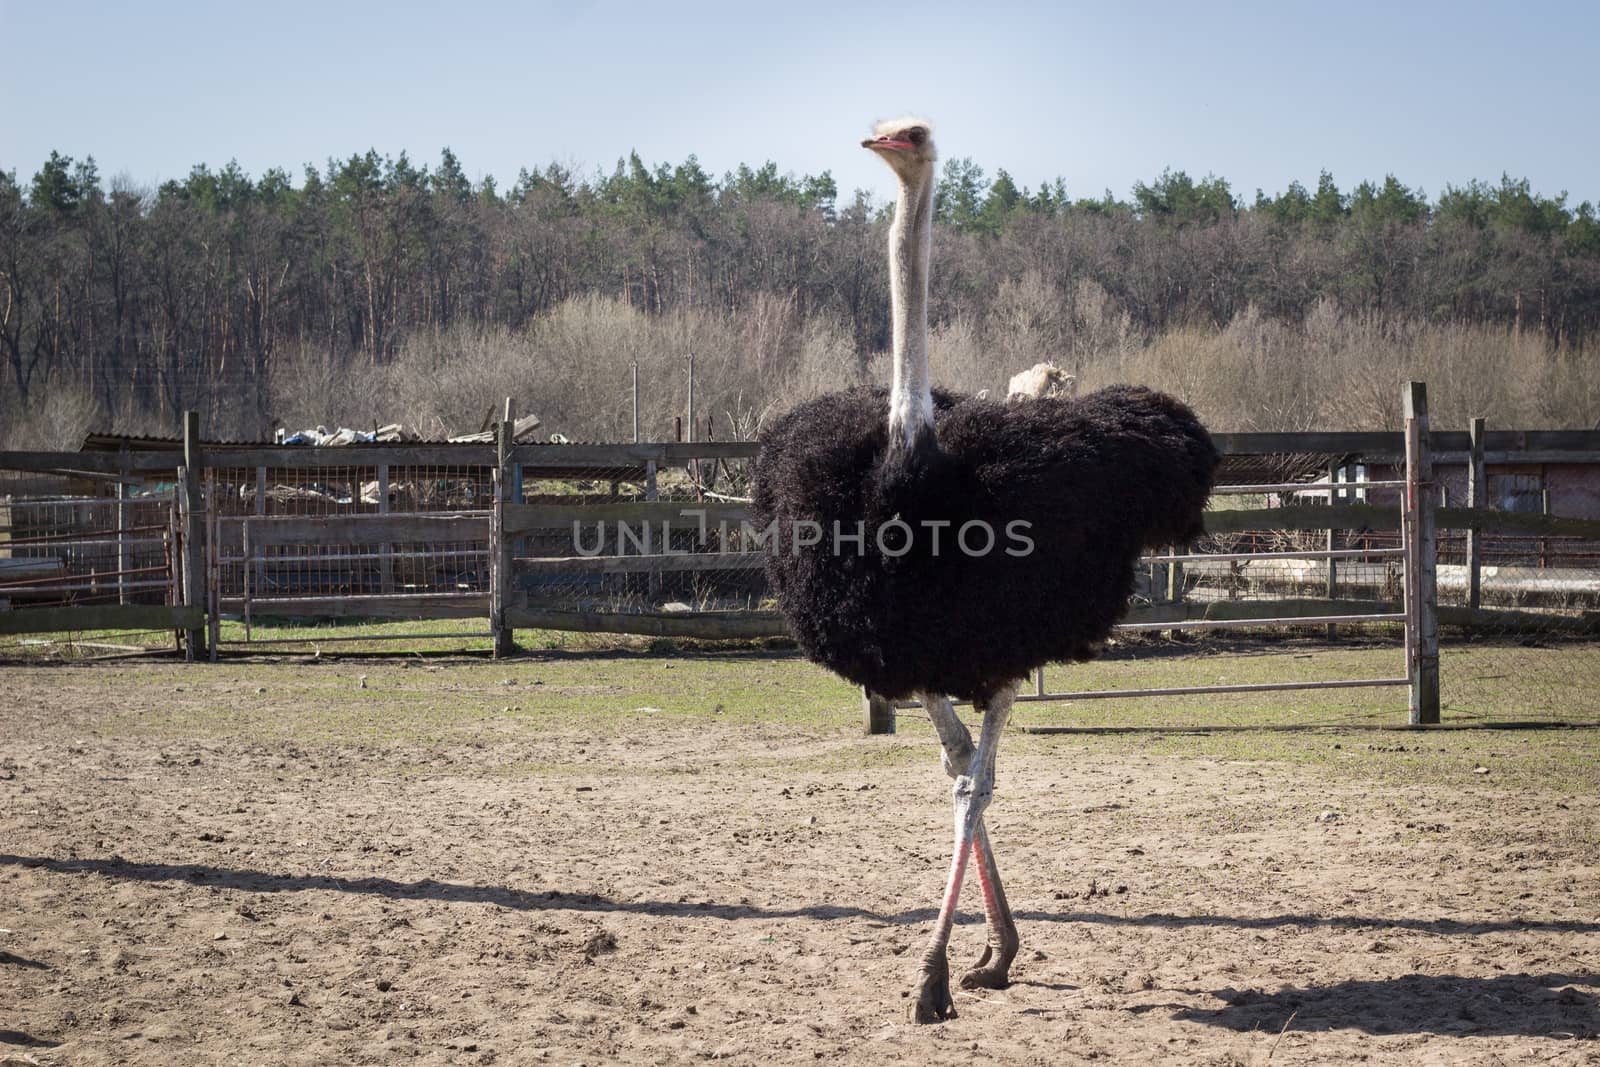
(342,636)
(602,686)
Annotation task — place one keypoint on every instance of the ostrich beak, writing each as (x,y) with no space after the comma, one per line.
(887,143)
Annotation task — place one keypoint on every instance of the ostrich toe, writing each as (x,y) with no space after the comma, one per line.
(934,1004)
(991,971)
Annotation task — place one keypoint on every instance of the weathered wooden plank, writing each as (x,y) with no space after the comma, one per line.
(1565,441)
(1392,443)
(1518,522)
(1304,517)
(524,518)
(632,454)
(533,472)
(705,625)
(626,454)
(541,456)
(677,562)
(1526,446)
(303,457)
(96,462)
(1500,458)
(28,567)
(1223,610)
(407,606)
(681,451)
(1520,622)
(1536,457)
(1421,575)
(392,528)
(1353,442)
(101,617)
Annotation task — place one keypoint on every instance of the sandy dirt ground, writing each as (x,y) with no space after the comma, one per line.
(670,889)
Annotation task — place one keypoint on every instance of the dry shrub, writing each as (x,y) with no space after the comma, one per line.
(1343,371)
(825,361)
(311,386)
(961,358)
(61,411)
(1332,370)
(1029,324)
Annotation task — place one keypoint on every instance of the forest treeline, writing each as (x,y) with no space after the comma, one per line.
(374,290)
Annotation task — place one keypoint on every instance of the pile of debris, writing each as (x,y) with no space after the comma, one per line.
(522,433)
(321,437)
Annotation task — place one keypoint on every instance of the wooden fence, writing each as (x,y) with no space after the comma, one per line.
(507,544)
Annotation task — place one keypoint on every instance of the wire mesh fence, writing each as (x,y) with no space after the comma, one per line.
(1522,642)
(64,544)
(343,541)
(648,540)
(376,539)
(74,543)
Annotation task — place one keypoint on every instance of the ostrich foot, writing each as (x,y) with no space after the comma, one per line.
(987,975)
(933,997)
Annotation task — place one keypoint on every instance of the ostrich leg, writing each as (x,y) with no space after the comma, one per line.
(992,971)
(973,791)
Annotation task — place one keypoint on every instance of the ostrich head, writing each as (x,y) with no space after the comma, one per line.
(906,144)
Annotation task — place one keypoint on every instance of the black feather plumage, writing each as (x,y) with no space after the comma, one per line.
(1097,479)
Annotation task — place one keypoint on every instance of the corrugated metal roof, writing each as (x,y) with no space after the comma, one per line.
(112,442)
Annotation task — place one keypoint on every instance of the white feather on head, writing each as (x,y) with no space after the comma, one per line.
(887,126)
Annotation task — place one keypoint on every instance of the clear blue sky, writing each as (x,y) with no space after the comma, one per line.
(1101,94)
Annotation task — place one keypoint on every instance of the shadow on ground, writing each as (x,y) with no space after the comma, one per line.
(1527,1005)
(252,881)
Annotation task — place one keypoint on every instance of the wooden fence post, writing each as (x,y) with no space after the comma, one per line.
(1477,497)
(1422,626)
(500,554)
(194,530)
(878,712)
(386,552)
(1175,584)
(1544,509)
(1333,539)
(259,568)
(174,560)
(651,493)
(213,567)
(250,579)
(122,534)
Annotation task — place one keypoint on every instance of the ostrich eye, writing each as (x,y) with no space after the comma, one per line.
(917,135)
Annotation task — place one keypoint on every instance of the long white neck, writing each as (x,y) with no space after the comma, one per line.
(910,237)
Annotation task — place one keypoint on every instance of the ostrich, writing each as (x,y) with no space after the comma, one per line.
(1041,379)
(933,546)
